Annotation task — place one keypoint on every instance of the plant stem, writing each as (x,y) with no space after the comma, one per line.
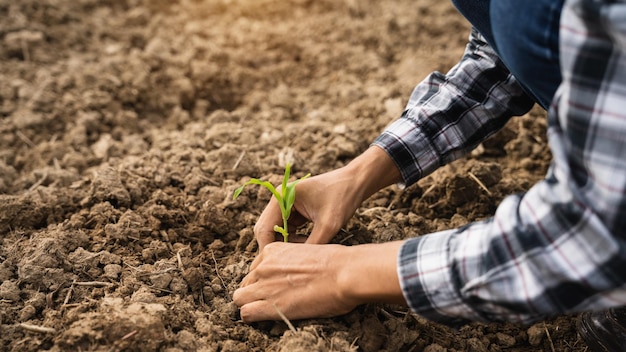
(286,234)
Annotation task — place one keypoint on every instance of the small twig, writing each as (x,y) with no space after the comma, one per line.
(25,50)
(93,283)
(38,183)
(353,344)
(218,273)
(482,185)
(387,314)
(204,178)
(69,294)
(129,335)
(214,183)
(436,204)
(429,189)
(156,272)
(284,318)
(38,92)
(37,328)
(367,212)
(50,299)
(162,290)
(180,261)
(20,342)
(25,139)
(345,239)
(239,160)
(545,328)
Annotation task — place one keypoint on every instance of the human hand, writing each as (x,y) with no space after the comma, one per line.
(329,200)
(298,280)
(307,281)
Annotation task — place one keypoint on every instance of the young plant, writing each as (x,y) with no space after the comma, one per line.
(285,198)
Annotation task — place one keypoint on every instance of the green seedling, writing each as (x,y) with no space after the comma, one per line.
(285,198)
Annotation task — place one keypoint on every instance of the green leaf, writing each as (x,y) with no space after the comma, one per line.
(289,198)
(238,191)
(256,181)
(286,179)
(285,199)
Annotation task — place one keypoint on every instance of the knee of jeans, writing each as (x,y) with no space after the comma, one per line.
(529,48)
(477,13)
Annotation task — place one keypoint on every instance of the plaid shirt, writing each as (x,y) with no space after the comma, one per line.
(560,247)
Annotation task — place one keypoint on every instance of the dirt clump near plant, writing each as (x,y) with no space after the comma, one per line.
(126,125)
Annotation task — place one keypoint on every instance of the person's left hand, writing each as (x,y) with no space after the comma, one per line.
(300,280)
(318,281)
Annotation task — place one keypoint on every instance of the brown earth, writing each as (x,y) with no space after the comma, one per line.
(125,126)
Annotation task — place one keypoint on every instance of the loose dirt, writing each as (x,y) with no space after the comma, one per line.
(125,126)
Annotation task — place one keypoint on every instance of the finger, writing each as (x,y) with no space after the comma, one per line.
(256,261)
(264,227)
(258,311)
(239,297)
(248,279)
(245,295)
(266,252)
(251,277)
(264,238)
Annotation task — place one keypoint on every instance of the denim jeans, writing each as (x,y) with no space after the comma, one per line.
(525,34)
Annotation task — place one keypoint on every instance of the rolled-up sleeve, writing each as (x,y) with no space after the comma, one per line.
(449,115)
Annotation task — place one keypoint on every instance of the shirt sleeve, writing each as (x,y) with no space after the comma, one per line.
(449,115)
(560,247)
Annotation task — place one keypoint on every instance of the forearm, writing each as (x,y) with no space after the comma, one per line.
(372,171)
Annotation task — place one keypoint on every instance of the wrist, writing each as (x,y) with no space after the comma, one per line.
(368,274)
(372,171)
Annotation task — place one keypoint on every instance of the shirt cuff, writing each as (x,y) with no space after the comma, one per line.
(409,148)
(428,280)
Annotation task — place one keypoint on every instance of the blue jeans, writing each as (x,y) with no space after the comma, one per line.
(525,34)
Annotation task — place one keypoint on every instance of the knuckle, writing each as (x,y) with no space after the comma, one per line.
(261,229)
(271,247)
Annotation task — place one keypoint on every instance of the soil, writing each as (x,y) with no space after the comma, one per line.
(125,126)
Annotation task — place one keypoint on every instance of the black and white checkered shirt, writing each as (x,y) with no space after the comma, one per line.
(561,246)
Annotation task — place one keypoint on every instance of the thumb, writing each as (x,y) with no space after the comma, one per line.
(264,227)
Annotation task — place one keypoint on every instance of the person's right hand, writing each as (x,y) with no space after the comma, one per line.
(329,200)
